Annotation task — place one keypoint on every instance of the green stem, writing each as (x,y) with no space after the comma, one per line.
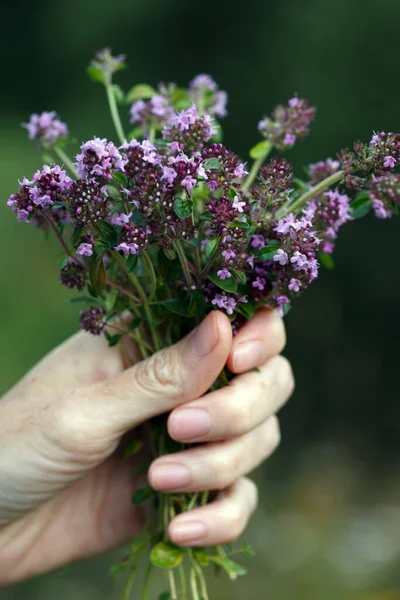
(193,501)
(254,170)
(314,191)
(211,261)
(151,272)
(60,238)
(182,581)
(184,262)
(193,585)
(152,134)
(114,113)
(63,156)
(172,584)
(146,585)
(202,581)
(129,584)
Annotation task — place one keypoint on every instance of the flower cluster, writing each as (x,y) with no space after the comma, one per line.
(46,128)
(172,224)
(287,123)
(204,92)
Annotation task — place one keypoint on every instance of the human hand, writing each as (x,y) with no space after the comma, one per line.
(65,494)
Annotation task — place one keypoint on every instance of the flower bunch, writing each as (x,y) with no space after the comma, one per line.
(169,224)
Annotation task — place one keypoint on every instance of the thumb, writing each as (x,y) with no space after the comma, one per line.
(170,377)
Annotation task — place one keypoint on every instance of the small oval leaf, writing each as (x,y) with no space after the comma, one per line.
(166,555)
(142,494)
(183,208)
(228,285)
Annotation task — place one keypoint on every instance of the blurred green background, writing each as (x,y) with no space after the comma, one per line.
(328,525)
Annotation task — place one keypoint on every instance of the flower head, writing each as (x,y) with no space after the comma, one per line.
(93,320)
(287,123)
(73,275)
(98,160)
(155,112)
(46,128)
(204,91)
(107,64)
(189,131)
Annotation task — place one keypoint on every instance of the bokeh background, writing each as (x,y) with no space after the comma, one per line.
(328,525)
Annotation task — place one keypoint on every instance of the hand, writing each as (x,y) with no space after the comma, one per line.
(65,494)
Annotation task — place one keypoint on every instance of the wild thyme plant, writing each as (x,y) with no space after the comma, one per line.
(169,224)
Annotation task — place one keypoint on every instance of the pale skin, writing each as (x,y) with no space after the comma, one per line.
(65,493)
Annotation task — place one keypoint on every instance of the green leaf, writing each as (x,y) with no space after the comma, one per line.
(139,544)
(228,285)
(98,275)
(136,133)
(96,74)
(132,448)
(183,208)
(116,570)
(135,323)
(201,556)
(118,93)
(261,150)
(212,246)
(326,260)
(248,309)
(212,163)
(166,555)
(83,300)
(197,305)
(231,567)
(140,91)
(176,306)
(142,494)
(165,596)
(233,224)
(120,178)
(268,253)
(112,340)
(286,308)
(131,262)
(48,159)
(240,276)
(110,300)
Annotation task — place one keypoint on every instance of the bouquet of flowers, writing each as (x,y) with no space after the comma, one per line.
(170,224)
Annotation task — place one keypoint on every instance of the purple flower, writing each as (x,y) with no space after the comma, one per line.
(108,64)
(133,239)
(385,195)
(189,130)
(259,283)
(155,112)
(281,300)
(204,92)
(287,123)
(85,249)
(99,159)
(225,302)
(127,248)
(230,171)
(46,128)
(73,275)
(224,274)
(281,257)
(294,285)
(93,320)
(169,174)
(87,202)
(120,219)
(323,169)
(258,241)
(228,254)
(389,162)
(238,205)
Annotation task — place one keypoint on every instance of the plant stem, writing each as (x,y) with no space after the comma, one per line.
(129,584)
(152,134)
(152,273)
(114,113)
(121,289)
(202,580)
(254,170)
(193,585)
(172,584)
(182,581)
(146,585)
(193,501)
(314,191)
(210,262)
(66,160)
(60,238)
(184,262)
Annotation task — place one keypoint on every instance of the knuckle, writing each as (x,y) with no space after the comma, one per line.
(252,494)
(239,413)
(224,470)
(75,432)
(162,372)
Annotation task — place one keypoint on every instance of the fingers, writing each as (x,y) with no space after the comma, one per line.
(175,375)
(236,409)
(257,341)
(219,522)
(217,465)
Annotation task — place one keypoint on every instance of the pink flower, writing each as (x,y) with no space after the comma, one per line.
(85,249)
(127,248)
(259,283)
(289,139)
(237,205)
(281,257)
(389,162)
(224,274)
(294,285)
(169,174)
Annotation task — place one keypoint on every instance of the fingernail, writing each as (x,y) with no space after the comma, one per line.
(189,423)
(205,337)
(247,355)
(170,477)
(188,531)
